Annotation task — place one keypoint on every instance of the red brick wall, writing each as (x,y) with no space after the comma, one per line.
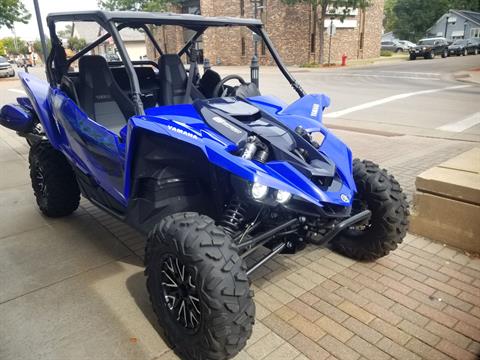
(289,29)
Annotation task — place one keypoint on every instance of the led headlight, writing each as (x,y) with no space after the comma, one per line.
(259,191)
(283,196)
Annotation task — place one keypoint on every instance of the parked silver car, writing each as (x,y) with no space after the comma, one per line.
(394,46)
(407,43)
(6,69)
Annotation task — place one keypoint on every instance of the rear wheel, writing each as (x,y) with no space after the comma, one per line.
(465,52)
(53,181)
(380,193)
(198,287)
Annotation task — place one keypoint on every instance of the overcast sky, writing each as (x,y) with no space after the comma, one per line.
(30,31)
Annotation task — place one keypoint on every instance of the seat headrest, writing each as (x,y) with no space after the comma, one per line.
(94,67)
(170,60)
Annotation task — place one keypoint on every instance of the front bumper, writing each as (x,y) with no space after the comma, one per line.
(420,52)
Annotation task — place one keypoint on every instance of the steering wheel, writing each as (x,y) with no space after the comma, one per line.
(220,91)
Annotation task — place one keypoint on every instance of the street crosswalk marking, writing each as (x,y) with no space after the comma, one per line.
(462,125)
(368,105)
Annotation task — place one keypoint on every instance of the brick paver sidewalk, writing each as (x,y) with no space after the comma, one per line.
(421,301)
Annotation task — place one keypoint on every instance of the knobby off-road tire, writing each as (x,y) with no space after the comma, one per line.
(380,193)
(53,181)
(216,277)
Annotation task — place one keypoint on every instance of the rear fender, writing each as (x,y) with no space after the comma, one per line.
(38,92)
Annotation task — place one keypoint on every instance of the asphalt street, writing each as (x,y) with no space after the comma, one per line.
(421,98)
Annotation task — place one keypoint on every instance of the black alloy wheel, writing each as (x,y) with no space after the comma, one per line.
(180,292)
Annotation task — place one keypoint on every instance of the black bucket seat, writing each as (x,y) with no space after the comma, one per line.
(174,78)
(100,96)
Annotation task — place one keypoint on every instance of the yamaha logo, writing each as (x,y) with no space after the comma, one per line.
(344,198)
(183,132)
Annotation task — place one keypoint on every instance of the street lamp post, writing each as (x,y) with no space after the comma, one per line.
(254,66)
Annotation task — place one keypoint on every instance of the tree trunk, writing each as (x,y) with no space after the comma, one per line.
(321,30)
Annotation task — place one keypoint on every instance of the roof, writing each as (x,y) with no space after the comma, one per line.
(471,16)
(186,20)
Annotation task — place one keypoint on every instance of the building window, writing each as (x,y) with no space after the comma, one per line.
(244,50)
(263,49)
(312,43)
(242,7)
(475,33)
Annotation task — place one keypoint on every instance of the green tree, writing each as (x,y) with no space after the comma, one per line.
(76,44)
(326,9)
(410,19)
(3,52)
(66,33)
(12,47)
(389,15)
(12,11)
(37,47)
(137,5)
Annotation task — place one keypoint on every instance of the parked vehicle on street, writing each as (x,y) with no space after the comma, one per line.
(6,69)
(463,47)
(394,46)
(430,48)
(407,43)
(209,170)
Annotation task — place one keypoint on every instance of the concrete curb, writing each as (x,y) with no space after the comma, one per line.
(468,77)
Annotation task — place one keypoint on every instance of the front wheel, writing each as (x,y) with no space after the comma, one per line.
(445,53)
(198,287)
(413,57)
(53,181)
(380,193)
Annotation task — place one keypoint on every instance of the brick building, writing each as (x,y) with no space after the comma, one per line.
(289,27)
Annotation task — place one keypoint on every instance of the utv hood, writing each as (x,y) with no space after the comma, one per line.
(292,154)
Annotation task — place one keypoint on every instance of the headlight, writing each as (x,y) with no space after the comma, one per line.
(424,48)
(259,191)
(283,196)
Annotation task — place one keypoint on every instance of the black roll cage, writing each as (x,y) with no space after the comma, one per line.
(114,22)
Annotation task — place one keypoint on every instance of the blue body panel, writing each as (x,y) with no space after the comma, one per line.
(108,157)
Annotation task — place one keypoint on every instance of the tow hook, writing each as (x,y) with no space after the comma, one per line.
(363,216)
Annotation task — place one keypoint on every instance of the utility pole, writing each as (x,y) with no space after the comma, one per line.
(446,26)
(15,45)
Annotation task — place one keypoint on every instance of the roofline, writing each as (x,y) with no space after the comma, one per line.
(187,20)
(457,12)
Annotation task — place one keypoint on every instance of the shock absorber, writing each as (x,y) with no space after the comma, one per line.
(233,217)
